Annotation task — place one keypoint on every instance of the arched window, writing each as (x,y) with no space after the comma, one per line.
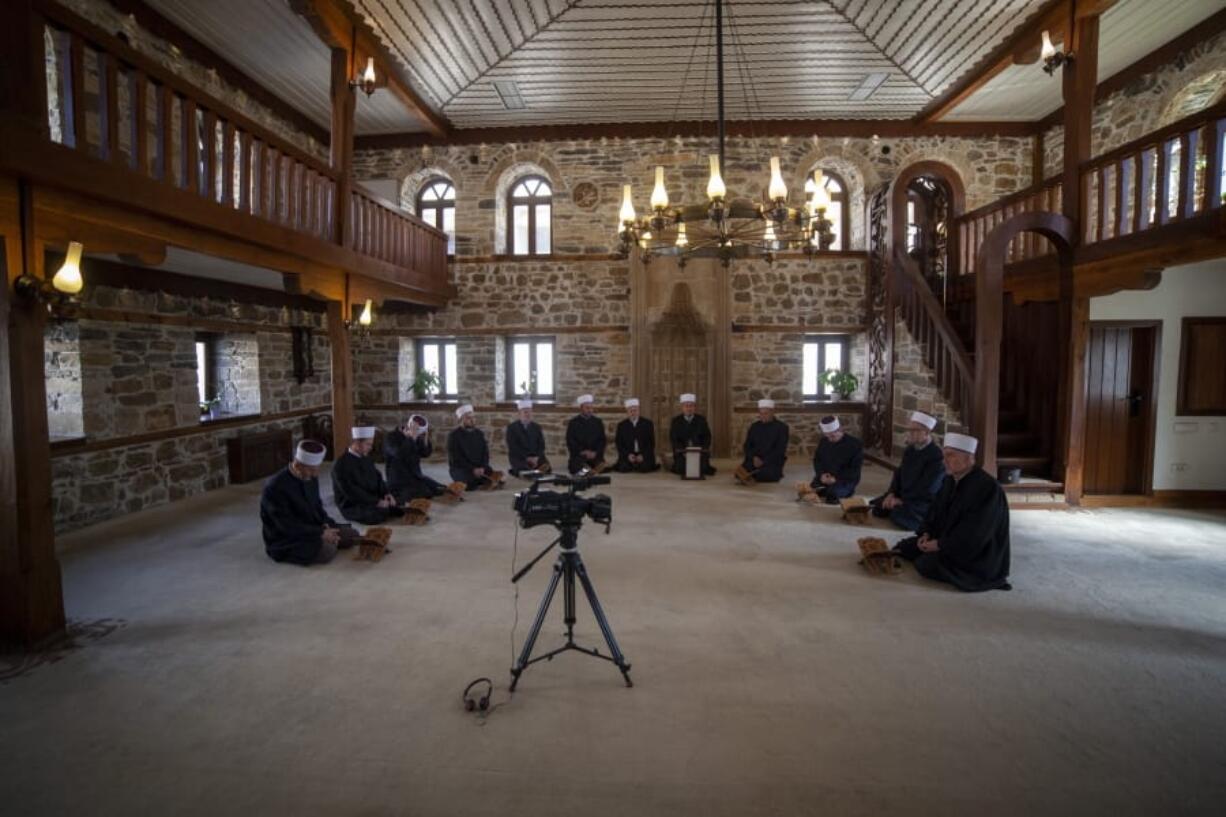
(530,217)
(839,212)
(436,207)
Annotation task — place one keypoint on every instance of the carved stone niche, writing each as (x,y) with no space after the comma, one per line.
(680,360)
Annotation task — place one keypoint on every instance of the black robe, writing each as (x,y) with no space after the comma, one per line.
(769,442)
(403,455)
(970,521)
(844,460)
(644,434)
(584,433)
(916,482)
(467,450)
(683,434)
(293,518)
(525,441)
(357,487)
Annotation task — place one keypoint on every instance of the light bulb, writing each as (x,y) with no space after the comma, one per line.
(368,76)
(809,187)
(645,240)
(366,317)
(821,196)
(777,190)
(681,239)
(627,214)
(68,278)
(1049,50)
(659,196)
(715,186)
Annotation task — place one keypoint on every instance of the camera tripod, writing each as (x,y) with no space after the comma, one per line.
(565,569)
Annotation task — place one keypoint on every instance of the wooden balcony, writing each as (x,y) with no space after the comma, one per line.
(131,146)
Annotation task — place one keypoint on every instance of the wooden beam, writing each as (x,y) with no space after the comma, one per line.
(31,590)
(23,71)
(856,128)
(339,26)
(342,377)
(343,101)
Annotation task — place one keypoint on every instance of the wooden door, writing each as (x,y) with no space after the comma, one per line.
(1121,386)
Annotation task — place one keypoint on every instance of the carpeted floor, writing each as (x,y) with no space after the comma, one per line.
(772,676)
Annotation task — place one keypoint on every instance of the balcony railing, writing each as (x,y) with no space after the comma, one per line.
(1171,175)
(115,104)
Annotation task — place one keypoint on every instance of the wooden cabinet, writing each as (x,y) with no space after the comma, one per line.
(252,456)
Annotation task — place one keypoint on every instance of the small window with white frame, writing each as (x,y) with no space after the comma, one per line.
(436,207)
(823,353)
(530,367)
(440,357)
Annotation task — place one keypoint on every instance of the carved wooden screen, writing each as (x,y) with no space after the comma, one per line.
(680,361)
(878,433)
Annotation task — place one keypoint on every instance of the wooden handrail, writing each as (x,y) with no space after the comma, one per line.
(911,280)
(1012,198)
(1149,140)
(154,71)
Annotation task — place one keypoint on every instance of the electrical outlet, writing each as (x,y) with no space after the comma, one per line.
(1176,467)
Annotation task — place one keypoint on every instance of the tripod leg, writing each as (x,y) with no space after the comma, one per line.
(568,596)
(598,611)
(530,642)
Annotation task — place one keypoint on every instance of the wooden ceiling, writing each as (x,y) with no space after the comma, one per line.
(579,61)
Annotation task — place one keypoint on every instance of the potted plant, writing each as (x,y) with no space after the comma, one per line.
(840,382)
(208,408)
(425,384)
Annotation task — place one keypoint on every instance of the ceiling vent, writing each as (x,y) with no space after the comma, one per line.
(508,92)
(868,87)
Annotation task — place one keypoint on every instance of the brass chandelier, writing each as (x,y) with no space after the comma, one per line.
(724,228)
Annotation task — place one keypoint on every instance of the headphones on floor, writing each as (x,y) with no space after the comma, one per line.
(482,704)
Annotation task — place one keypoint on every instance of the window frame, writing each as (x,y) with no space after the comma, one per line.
(419,356)
(531,202)
(1184,384)
(439,205)
(513,378)
(209,340)
(821,340)
(843,199)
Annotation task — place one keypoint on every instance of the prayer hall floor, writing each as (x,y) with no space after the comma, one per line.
(772,675)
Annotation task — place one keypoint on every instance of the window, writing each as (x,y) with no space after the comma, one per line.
(530,367)
(913,228)
(436,207)
(822,353)
(531,215)
(439,356)
(206,375)
(838,212)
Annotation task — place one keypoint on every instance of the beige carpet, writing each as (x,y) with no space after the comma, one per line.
(772,676)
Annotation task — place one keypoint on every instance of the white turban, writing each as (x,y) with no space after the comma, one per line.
(310,452)
(688,398)
(584,398)
(467,408)
(961,442)
(926,420)
(363,432)
(831,426)
(632,402)
(523,404)
(766,403)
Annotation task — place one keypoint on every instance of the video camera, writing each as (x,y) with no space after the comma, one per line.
(563,509)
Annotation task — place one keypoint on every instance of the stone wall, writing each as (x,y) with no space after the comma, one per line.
(138,378)
(236,362)
(916,389)
(109,18)
(62,361)
(1192,81)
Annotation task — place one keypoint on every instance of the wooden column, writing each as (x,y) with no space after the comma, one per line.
(342,377)
(343,102)
(1080,78)
(31,594)
(23,72)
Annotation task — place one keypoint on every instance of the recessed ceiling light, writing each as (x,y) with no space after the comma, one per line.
(508,92)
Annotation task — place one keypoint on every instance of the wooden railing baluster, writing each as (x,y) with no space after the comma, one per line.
(140,134)
(110,87)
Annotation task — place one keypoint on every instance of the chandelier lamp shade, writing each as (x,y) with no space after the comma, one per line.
(724,228)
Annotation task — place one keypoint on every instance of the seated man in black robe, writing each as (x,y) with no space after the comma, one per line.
(403,450)
(526,442)
(297,529)
(468,455)
(689,429)
(917,479)
(766,447)
(357,486)
(636,442)
(836,462)
(964,540)
(585,438)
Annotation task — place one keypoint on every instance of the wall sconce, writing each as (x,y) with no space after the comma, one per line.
(360,329)
(366,81)
(62,289)
(1052,59)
